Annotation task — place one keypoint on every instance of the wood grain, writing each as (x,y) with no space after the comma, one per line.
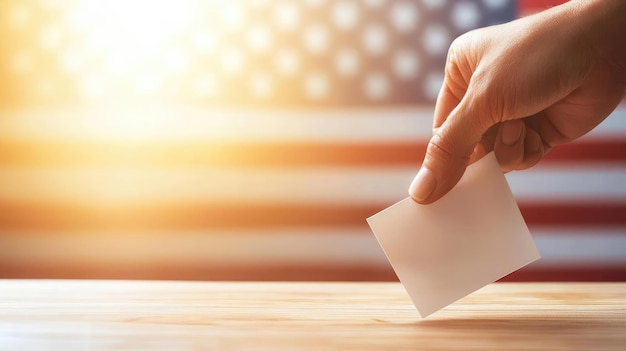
(138,315)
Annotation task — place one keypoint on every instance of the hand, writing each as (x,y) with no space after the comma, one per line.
(523,87)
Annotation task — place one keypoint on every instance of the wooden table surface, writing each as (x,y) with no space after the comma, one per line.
(138,315)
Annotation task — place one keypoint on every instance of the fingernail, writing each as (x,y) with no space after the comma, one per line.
(423,185)
(511,132)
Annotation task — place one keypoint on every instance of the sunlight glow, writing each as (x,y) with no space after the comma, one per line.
(131,35)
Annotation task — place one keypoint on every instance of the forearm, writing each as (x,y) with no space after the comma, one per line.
(603,25)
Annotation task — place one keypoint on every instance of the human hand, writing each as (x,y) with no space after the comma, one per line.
(523,87)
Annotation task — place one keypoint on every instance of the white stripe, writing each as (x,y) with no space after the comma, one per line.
(167,123)
(189,124)
(563,247)
(576,246)
(126,186)
(598,183)
(224,247)
(613,127)
(305,186)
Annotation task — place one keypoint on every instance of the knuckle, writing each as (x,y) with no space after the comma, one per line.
(488,101)
(445,148)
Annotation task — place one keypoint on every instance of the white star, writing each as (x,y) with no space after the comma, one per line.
(315,3)
(316,38)
(259,38)
(376,86)
(205,40)
(374,3)
(232,61)
(50,37)
(71,61)
(434,4)
(205,85)
(404,16)
(261,85)
(432,85)
(286,15)
(316,86)
(375,39)
(287,62)
(466,15)
(405,64)
(436,39)
(495,4)
(232,15)
(147,84)
(347,62)
(345,14)
(177,62)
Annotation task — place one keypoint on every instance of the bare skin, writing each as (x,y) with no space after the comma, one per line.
(523,87)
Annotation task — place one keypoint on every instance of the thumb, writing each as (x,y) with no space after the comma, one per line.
(449,151)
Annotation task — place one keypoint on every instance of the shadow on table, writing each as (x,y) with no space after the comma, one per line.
(550,323)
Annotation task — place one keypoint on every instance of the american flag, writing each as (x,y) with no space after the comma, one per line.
(250,139)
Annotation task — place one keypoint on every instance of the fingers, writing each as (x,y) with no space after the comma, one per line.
(448,153)
(447,101)
(461,140)
(534,149)
(479,152)
(459,123)
(517,146)
(485,145)
(509,146)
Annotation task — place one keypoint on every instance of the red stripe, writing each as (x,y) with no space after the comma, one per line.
(589,151)
(527,7)
(538,4)
(574,214)
(79,270)
(264,155)
(179,216)
(257,155)
(571,274)
(85,217)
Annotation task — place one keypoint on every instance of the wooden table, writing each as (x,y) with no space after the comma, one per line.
(138,315)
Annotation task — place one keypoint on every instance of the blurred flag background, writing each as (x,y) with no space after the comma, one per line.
(240,139)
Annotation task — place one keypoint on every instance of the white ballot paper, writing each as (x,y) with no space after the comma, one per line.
(471,237)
